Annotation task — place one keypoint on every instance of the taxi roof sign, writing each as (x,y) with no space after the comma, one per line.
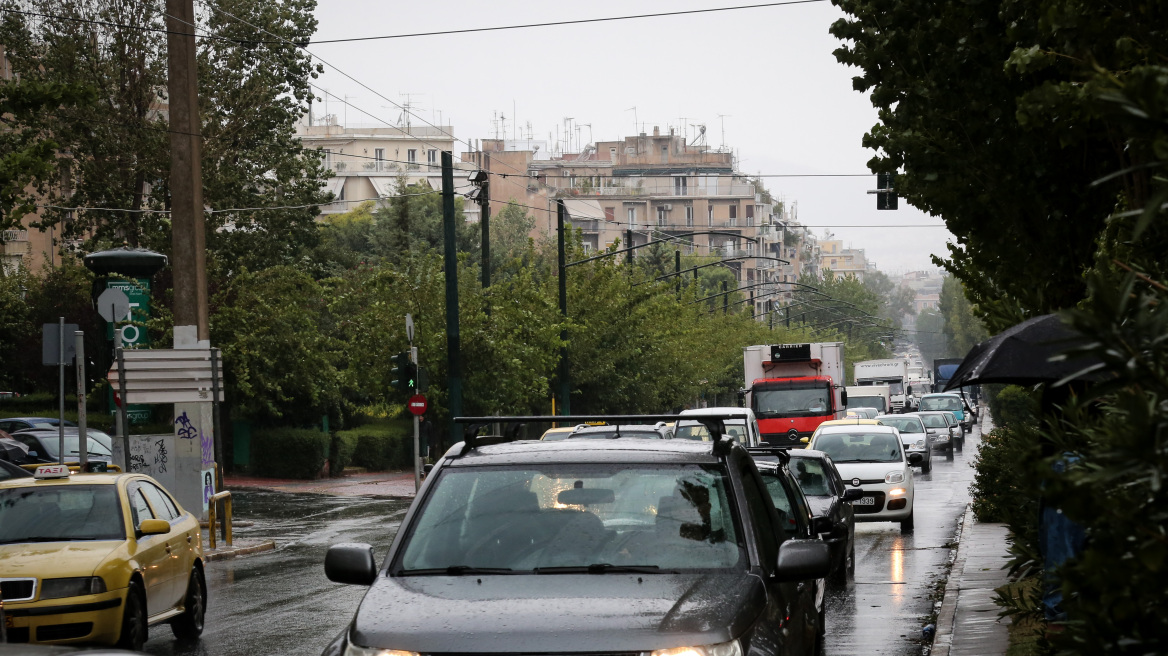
(51,471)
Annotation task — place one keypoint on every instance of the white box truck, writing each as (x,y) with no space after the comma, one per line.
(891,372)
(793,388)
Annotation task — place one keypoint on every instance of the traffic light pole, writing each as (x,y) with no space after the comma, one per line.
(564,385)
(417,426)
(450,263)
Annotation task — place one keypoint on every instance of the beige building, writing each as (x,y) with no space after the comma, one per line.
(642,188)
(367,163)
(842,261)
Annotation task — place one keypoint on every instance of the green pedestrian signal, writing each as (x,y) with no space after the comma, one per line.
(404,372)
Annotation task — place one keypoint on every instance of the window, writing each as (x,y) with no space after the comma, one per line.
(733,216)
(750,215)
(661,216)
(710,214)
(328,158)
(612,154)
(768,529)
(432,157)
(139,509)
(610,214)
(412,158)
(163,507)
(680,186)
(379,157)
(689,216)
(632,211)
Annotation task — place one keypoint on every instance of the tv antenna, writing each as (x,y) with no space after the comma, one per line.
(700,137)
(722,118)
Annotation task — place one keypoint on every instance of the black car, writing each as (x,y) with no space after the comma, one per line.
(13,424)
(44,444)
(830,498)
(618,546)
(9,471)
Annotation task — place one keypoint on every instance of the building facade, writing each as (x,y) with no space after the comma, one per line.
(842,261)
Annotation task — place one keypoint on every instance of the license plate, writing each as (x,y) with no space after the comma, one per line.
(865,501)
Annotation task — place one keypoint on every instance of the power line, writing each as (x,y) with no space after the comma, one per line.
(233,209)
(566,22)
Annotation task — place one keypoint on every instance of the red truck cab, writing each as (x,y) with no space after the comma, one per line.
(793,388)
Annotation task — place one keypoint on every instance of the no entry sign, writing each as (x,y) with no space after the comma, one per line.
(417,404)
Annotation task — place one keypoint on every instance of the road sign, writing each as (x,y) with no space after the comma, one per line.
(167,376)
(417,405)
(51,346)
(113,305)
(410,328)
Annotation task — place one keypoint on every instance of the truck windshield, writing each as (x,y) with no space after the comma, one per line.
(556,519)
(811,400)
(867,402)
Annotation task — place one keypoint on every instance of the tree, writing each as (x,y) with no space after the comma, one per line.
(930,336)
(963,329)
(1018,197)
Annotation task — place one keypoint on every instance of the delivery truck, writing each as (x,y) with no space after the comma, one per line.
(793,388)
(890,372)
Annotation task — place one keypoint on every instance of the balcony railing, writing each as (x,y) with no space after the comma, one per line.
(14,235)
(662,189)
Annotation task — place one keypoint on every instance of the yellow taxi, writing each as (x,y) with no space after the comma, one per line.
(850,421)
(97,558)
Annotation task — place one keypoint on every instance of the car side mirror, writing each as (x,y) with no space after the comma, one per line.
(800,560)
(154,527)
(350,562)
(822,524)
(853,494)
(915,458)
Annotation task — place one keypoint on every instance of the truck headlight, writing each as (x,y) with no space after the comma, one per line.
(72,587)
(731,648)
(894,477)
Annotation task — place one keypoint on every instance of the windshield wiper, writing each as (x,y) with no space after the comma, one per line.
(456,570)
(36,539)
(602,568)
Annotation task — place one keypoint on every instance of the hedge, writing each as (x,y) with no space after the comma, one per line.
(378,447)
(289,452)
(344,444)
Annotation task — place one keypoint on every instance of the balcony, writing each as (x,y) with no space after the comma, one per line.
(13,235)
(663,189)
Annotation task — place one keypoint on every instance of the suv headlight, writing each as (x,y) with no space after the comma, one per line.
(731,648)
(72,587)
(894,477)
(353,650)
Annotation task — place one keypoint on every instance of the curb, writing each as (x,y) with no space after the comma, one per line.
(948,612)
(239,549)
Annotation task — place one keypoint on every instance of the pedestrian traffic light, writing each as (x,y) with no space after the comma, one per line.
(885,195)
(403,372)
(423,379)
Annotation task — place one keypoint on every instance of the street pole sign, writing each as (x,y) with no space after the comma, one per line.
(410,328)
(417,405)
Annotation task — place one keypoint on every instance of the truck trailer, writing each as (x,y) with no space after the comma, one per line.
(793,388)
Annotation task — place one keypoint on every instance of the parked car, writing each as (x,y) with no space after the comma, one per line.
(13,424)
(644,544)
(873,459)
(913,436)
(830,504)
(44,444)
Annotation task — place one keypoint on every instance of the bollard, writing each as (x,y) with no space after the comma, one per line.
(224,496)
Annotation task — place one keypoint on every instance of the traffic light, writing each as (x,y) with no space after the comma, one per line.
(423,379)
(404,372)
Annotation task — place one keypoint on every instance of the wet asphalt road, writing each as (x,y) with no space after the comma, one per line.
(280,602)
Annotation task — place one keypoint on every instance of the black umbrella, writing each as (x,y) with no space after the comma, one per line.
(11,450)
(1022,354)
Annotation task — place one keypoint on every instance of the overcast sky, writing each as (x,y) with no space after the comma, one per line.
(788,106)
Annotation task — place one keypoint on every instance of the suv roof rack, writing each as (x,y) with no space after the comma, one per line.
(471,439)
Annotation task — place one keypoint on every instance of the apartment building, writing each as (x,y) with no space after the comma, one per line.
(842,261)
(368,162)
(638,189)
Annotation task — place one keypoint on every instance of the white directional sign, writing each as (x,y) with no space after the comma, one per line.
(167,376)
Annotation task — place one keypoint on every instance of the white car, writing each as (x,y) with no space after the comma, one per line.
(743,428)
(913,436)
(872,458)
(940,430)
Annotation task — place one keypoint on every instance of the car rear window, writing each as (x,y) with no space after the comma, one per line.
(575,515)
(811,477)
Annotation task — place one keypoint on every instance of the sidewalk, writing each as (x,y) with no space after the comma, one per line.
(397,485)
(968,622)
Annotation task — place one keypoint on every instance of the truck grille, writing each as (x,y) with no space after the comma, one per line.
(17,589)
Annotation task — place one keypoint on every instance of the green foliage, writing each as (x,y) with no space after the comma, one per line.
(930,336)
(963,328)
(289,452)
(278,348)
(1013,406)
(378,447)
(341,449)
(16,330)
(1004,488)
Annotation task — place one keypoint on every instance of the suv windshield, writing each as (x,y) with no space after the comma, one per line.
(859,447)
(941,403)
(806,400)
(902,424)
(59,513)
(574,516)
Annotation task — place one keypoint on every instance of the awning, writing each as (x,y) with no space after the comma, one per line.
(334,186)
(386,186)
(584,209)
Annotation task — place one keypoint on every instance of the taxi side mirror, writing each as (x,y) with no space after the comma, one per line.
(805,440)
(350,562)
(154,527)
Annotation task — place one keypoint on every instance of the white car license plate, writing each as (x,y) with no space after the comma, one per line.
(865,501)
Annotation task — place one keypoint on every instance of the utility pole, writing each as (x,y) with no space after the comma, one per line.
(565,386)
(628,244)
(677,270)
(450,261)
(725,299)
(188,237)
(82,428)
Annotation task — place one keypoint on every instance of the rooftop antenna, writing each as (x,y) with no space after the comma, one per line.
(589,126)
(722,118)
(633,109)
(700,137)
(567,134)
(503,124)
